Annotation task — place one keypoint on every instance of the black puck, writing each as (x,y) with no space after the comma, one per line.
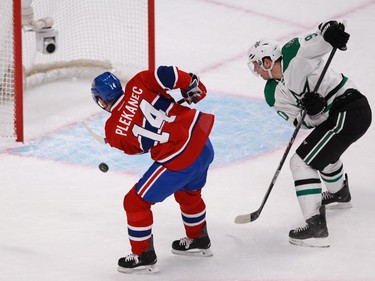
(103,167)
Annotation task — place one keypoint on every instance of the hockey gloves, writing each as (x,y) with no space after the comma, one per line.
(196,90)
(314,103)
(334,33)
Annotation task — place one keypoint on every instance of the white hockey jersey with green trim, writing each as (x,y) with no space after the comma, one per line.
(302,64)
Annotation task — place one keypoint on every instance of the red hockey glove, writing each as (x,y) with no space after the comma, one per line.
(196,90)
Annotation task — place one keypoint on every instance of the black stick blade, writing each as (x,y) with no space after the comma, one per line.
(254,215)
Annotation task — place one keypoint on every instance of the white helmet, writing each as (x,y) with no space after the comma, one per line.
(262,49)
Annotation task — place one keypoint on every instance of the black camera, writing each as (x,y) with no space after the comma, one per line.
(46,40)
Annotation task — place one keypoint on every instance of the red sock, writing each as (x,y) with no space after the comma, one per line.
(193,210)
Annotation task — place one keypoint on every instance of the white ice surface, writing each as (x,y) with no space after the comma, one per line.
(62,221)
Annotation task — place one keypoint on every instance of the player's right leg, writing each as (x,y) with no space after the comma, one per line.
(143,257)
(193,208)
(308,190)
(193,211)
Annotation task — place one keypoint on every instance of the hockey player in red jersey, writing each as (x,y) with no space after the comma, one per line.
(145,118)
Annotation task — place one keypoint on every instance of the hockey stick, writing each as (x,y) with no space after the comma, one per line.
(254,215)
(99,138)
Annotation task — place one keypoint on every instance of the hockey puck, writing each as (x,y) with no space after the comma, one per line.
(103,167)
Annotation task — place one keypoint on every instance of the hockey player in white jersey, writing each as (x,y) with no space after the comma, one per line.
(337,113)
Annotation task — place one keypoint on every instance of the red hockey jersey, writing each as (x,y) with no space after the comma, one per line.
(147,119)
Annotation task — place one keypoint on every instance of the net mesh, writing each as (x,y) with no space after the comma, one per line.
(109,34)
(7,98)
(93,36)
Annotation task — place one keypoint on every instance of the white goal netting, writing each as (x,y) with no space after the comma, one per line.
(91,36)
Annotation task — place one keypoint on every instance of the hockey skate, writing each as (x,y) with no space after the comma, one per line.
(143,263)
(338,200)
(193,247)
(313,234)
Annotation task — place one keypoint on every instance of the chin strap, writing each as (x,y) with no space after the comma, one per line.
(269,69)
(269,73)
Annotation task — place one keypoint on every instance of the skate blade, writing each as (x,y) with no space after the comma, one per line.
(145,269)
(194,253)
(334,206)
(311,242)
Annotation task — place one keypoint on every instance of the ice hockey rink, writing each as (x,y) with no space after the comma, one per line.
(62,219)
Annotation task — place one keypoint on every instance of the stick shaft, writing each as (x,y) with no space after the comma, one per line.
(99,138)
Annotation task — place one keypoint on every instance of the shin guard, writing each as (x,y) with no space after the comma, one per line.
(140,220)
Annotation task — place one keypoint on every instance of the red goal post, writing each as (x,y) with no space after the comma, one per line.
(44,41)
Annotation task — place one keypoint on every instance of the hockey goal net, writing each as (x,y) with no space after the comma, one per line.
(43,41)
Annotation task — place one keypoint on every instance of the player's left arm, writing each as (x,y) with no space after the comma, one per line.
(166,78)
(195,92)
(329,35)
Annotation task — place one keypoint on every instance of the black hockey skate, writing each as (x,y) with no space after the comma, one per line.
(340,199)
(143,263)
(313,234)
(193,247)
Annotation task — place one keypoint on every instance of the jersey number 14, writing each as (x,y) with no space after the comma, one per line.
(155,118)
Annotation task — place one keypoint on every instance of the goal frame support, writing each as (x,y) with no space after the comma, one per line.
(151,34)
(18,72)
